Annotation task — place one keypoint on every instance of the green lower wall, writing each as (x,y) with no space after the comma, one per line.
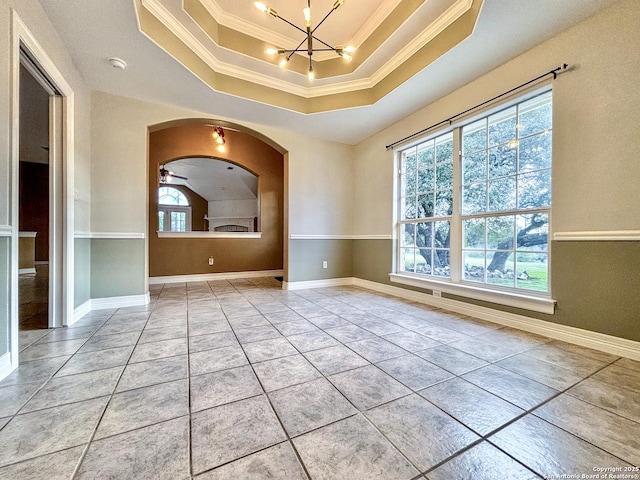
(373,260)
(596,284)
(306,257)
(117,267)
(5,277)
(82,271)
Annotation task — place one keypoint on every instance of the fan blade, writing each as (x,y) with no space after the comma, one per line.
(168,173)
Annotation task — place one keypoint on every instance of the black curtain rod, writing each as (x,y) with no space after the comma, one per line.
(449,120)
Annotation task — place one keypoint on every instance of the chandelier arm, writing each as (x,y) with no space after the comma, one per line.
(330,47)
(292,24)
(322,21)
(309,37)
(298,49)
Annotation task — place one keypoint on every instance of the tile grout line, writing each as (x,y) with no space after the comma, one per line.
(447,459)
(525,413)
(45,382)
(189,434)
(530,411)
(358,412)
(111,395)
(275,413)
(289,440)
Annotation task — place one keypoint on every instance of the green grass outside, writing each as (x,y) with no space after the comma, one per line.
(537,271)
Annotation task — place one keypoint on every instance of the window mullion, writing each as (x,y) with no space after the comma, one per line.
(455,250)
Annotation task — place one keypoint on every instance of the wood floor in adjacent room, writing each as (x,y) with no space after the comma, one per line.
(33,297)
(242,380)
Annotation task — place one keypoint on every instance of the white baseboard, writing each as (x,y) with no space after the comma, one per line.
(578,336)
(585,338)
(120,302)
(5,365)
(215,276)
(80,311)
(23,271)
(108,303)
(330,282)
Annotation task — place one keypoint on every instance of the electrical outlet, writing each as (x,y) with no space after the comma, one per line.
(437,293)
(325,264)
(210,260)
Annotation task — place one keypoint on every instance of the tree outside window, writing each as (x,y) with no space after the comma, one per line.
(504,191)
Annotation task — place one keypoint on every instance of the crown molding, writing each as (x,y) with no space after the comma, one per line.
(277,40)
(261,83)
(158,10)
(244,26)
(453,13)
(185,36)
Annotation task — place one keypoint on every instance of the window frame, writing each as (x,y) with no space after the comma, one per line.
(456,284)
(168,209)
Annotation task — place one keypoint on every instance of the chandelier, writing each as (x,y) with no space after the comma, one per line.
(344,52)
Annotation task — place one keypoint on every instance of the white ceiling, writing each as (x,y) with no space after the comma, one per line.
(215,180)
(95,30)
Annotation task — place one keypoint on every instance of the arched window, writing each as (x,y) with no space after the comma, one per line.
(174,212)
(172,196)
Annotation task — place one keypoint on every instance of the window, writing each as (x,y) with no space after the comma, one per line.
(172,196)
(427,206)
(481,217)
(174,212)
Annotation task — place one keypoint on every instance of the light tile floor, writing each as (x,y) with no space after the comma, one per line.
(241,380)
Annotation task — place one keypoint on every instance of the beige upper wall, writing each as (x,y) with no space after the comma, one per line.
(82,166)
(596,117)
(319,172)
(32,15)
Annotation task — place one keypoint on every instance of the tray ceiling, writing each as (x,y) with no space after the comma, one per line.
(223,43)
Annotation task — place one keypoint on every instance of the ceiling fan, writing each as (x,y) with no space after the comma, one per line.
(167,175)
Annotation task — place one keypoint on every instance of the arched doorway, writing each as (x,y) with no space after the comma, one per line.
(235,236)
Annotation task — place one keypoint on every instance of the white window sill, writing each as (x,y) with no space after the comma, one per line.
(209,234)
(518,300)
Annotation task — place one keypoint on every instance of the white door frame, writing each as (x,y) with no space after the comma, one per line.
(61,160)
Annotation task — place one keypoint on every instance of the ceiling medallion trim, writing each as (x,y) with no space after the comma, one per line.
(315,99)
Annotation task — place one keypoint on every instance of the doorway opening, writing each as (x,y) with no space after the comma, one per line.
(33,196)
(28,53)
(233,201)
